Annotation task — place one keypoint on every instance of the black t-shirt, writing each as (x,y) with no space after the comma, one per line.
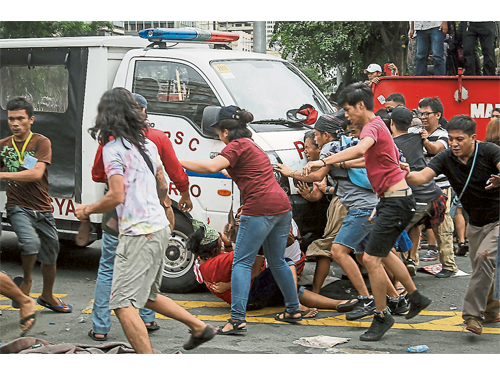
(483,206)
(410,146)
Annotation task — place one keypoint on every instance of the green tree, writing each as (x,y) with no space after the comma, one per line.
(351,46)
(41,29)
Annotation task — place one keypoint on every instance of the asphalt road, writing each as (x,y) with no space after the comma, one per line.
(440,327)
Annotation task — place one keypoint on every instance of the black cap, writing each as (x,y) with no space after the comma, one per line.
(143,103)
(330,124)
(402,116)
(226,113)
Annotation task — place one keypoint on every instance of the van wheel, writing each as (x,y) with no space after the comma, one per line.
(178,274)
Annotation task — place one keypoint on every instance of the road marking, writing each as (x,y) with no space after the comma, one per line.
(8,306)
(449,321)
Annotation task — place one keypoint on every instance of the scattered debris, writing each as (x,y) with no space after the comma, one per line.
(417,349)
(321,341)
(352,351)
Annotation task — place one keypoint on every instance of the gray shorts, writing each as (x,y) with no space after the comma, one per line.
(36,233)
(138,269)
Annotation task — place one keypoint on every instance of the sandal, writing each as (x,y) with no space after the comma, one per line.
(236,330)
(153,326)
(195,341)
(346,306)
(25,320)
(309,313)
(93,336)
(282,317)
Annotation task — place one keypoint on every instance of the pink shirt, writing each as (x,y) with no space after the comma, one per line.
(382,159)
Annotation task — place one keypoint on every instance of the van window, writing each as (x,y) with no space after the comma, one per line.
(45,86)
(173,89)
(268,89)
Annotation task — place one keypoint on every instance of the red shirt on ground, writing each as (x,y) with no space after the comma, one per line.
(167,154)
(382,159)
(218,269)
(252,171)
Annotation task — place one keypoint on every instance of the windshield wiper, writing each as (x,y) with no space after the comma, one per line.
(282,121)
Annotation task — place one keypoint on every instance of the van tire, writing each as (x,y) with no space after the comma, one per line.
(178,274)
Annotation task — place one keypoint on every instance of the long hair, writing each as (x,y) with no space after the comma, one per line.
(237,127)
(493,131)
(119,116)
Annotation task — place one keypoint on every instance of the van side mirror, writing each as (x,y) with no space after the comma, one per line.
(210,115)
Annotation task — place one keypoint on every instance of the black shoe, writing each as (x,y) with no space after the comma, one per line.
(380,325)
(418,302)
(364,307)
(444,273)
(398,305)
(411,267)
(463,249)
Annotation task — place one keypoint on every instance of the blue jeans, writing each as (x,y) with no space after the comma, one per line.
(271,232)
(433,38)
(101,314)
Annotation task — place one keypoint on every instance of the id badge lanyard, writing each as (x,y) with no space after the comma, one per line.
(20,155)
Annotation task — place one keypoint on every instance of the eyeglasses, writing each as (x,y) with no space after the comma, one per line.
(424,114)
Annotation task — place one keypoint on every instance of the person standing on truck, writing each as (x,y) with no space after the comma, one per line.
(265,217)
(101,314)
(394,100)
(485,32)
(394,210)
(473,170)
(138,190)
(434,140)
(373,71)
(26,156)
(430,35)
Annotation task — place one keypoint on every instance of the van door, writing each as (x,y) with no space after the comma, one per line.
(53,79)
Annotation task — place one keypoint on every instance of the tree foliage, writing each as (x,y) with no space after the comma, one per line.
(351,46)
(41,29)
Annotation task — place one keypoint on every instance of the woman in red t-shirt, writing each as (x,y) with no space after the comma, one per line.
(265,217)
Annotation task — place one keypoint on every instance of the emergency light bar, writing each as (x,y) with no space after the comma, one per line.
(188,34)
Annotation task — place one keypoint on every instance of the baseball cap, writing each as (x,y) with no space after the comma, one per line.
(143,103)
(402,116)
(330,124)
(373,68)
(306,114)
(227,113)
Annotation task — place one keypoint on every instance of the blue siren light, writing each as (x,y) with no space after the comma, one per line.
(188,34)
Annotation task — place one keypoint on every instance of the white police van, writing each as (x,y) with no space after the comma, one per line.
(180,72)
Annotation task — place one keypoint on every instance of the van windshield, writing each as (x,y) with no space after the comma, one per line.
(268,89)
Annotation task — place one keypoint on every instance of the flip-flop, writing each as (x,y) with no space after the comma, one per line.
(347,306)
(18,281)
(24,320)
(93,336)
(195,341)
(55,308)
(289,319)
(152,327)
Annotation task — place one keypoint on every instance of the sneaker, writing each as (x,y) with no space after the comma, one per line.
(491,319)
(463,248)
(474,326)
(418,302)
(444,273)
(380,325)
(411,267)
(398,305)
(364,307)
(431,255)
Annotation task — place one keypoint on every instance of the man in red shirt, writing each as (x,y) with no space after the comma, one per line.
(394,210)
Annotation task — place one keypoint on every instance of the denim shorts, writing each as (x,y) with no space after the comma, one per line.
(353,233)
(36,233)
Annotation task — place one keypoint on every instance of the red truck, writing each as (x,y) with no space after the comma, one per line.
(475,96)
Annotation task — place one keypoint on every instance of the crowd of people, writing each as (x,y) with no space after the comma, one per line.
(390,179)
